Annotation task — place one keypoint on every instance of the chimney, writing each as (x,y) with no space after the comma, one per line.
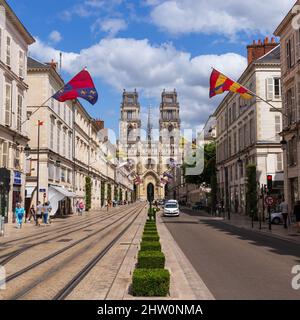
(52,64)
(259,49)
(99,123)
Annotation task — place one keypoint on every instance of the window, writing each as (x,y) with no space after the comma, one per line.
(52,124)
(290,55)
(277,88)
(70,145)
(58,109)
(8,51)
(51,171)
(57,173)
(64,143)
(63,174)
(252,131)
(19,113)
(58,138)
(290,106)
(277,128)
(279,162)
(273,88)
(8,105)
(65,113)
(5,155)
(129,115)
(21,64)
(292,152)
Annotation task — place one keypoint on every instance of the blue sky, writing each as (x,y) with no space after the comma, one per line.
(149,45)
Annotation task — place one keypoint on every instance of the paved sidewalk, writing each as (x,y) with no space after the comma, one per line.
(11,231)
(242,221)
(278,231)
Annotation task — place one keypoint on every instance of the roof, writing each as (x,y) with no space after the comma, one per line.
(271,57)
(17,23)
(34,64)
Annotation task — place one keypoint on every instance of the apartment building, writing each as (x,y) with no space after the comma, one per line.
(289,34)
(248,131)
(14,42)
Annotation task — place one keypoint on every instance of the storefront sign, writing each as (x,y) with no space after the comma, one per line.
(17,178)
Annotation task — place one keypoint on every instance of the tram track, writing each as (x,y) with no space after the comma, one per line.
(11,255)
(71,284)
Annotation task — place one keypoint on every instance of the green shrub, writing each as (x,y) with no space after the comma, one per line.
(150,229)
(151,260)
(150,237)
(150,246)
(150,233)
(150,282)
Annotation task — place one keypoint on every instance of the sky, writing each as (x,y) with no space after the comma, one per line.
(149,45)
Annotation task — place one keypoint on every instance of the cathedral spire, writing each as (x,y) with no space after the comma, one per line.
(149,126)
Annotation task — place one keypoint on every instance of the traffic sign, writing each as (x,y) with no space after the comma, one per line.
(269,201)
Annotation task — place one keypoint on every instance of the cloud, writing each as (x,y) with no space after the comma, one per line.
(89,8)
(110,26)
(55,36)
(218,17)
(129,63)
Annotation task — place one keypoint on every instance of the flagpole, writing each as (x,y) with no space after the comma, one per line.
(73,147)
(257,96)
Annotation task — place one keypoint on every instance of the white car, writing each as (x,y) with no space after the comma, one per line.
(171,209)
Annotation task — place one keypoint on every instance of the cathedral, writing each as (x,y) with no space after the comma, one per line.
(155,158)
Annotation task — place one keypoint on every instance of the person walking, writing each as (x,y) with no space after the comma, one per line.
(19,212)
(47,211)
(31,214)
(39,213)
(297,214)
(81,207)
(284,209)
(77,207)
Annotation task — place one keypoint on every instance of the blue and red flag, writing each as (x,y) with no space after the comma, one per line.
(81,86)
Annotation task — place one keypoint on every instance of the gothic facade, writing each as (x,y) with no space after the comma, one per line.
(152,155)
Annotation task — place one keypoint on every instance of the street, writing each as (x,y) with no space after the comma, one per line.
(235,263)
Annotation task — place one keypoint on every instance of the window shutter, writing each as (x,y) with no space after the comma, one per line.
(270,88)
(277,127)
(8,105)
(292,51)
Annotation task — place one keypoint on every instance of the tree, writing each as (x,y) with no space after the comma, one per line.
(88,193)
(115,193)
(109,192)
(251,191)
(102,193)
(209,167)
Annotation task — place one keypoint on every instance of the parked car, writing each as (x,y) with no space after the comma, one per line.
(171,209)
(276,218)
(198,206)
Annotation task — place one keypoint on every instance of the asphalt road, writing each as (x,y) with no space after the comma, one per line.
(235,263)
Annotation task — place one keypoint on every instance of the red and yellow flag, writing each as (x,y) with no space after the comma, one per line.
(219,83)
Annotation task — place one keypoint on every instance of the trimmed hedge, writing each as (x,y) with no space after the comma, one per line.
(151,260)
(150,229)
(150,246)
(150,233)
(150,282)
(150,237)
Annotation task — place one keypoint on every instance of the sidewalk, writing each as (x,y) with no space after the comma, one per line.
(277,231)
(244,222)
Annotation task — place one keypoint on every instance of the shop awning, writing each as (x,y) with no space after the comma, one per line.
(57,194)
(29,191)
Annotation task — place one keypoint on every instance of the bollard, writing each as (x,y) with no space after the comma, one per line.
(2,226)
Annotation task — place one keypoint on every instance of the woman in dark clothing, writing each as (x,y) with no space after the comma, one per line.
(297,214)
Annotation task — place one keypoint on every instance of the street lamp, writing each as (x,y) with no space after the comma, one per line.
(27,150)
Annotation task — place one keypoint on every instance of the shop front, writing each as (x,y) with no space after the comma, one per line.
(4,192)
(60,200)
(17,195)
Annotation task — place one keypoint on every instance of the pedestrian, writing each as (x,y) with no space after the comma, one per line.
(31,214)
(39,213)
(19,212)
(81,207)
(47,211)
(297,214)
(77,207)
(284,209)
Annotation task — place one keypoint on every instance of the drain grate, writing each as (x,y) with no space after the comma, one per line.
(88,230)
(294,235)
(65,240)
